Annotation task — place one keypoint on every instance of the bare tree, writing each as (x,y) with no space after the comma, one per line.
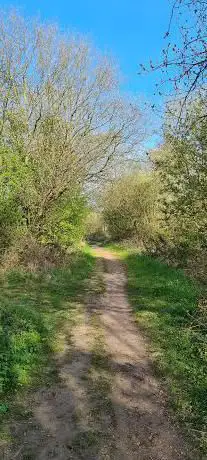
(60,108)
(184,62)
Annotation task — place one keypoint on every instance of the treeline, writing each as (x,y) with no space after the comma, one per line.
(64,127)
(62,124)
(164,208)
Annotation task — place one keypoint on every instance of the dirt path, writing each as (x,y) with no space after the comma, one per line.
(106,403)
(144,430)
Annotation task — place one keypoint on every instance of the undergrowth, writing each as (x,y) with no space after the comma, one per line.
(33,309)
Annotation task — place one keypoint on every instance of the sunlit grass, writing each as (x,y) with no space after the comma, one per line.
(33,309)
(166,305)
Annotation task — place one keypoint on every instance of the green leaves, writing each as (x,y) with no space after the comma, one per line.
(181,165)
(64,224)
(4,408)
(131,207)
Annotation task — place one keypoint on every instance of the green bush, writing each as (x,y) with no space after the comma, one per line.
(131,208)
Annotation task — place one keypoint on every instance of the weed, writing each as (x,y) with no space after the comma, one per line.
(86,441)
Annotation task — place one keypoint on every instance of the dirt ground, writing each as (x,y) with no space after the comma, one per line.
(107,403)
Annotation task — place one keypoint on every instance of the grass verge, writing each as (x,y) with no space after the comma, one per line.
(33,310)
(167,307)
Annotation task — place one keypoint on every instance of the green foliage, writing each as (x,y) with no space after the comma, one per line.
(3,408)
(32,308)
(181,165)
(62,123)
(131,208)
(11,178)
(65,223)
(166,305)
(165,209)
(20,211)
(95,227)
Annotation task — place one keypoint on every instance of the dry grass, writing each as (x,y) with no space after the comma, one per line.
(28,253)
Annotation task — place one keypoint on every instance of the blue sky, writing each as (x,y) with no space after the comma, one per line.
(130,30)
